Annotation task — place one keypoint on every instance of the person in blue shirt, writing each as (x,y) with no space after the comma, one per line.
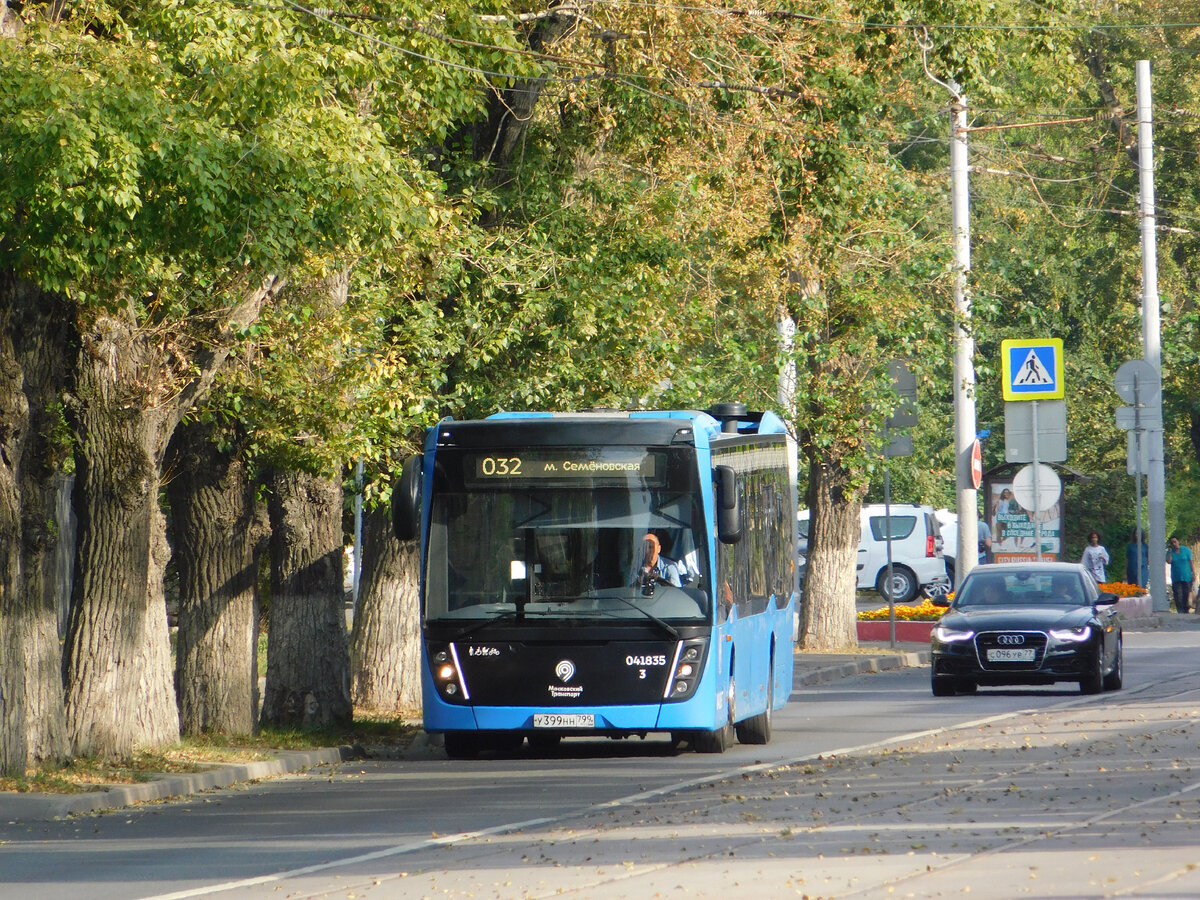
(1182,576)
(985,542)
(1137,565)
(654,567)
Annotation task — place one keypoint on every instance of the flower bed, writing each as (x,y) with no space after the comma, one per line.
(1134,602)
(907,632)
(924,611)
(1121,589)
(913,622)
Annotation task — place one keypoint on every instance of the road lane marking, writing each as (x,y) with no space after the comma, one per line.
(655,793)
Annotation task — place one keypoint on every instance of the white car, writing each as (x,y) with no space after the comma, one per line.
(948,522)
(917,563)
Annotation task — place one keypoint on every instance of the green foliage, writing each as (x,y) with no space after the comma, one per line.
(683,182)
(174,161)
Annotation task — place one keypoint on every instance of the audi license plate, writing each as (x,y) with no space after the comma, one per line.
(564,720)
(1011,654)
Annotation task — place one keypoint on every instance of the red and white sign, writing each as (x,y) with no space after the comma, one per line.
(976,465)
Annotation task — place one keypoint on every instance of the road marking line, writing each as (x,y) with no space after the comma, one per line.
(640,797)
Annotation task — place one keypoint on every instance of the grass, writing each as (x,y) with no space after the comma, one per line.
(368,732)
(195,754)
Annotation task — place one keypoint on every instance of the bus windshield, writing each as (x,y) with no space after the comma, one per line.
(573,549)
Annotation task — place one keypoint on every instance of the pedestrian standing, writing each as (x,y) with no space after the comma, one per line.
(1137,560)
(1095,558)
(985,542)
(1182,575)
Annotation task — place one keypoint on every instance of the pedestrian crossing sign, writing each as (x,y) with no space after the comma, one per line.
(1033,369)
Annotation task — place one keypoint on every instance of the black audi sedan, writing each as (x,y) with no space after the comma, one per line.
(1028,623)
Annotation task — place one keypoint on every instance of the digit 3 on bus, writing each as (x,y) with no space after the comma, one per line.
(608,574)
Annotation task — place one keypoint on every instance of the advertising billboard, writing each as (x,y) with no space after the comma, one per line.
(1015,529)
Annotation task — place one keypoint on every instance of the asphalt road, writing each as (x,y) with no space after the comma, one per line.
(871,787)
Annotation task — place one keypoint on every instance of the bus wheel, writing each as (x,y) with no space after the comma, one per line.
(717,741)
(757,729)
(462,744)
(720,739)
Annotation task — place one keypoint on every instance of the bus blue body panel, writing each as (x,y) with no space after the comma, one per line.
(765,656)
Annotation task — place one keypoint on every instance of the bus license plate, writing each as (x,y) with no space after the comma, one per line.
(999,654)
(564,720)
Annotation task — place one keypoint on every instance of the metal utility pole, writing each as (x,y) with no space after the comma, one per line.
(1151,340)
(964,343)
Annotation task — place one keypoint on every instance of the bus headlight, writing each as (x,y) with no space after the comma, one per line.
(686,669)
(447,674)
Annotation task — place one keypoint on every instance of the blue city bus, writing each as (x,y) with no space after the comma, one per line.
(604,573)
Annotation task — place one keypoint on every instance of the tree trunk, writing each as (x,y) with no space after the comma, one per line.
(132,386)
(494,138)
(308,657)
(220,530)
(32,351)
(386,643)
(117,663)
(829,616)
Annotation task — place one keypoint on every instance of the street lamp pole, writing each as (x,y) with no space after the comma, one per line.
(964,342)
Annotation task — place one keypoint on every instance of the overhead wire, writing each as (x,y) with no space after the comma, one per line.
(628,78)
(891,139)
(784,15)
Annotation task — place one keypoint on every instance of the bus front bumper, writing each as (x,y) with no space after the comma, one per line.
(583,720)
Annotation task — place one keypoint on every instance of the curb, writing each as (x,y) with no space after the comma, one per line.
(864,666)
(44,807)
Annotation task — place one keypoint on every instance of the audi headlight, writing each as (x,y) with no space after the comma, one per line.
(1072,635)
(949,635)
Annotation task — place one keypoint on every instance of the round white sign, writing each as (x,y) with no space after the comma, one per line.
(1048,487)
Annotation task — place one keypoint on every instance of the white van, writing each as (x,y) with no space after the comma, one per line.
(917,563)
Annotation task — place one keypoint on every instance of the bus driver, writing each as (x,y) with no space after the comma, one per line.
(654,567)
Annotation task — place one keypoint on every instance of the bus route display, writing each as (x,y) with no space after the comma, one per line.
(600,465)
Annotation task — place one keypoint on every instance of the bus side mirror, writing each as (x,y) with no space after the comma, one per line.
(406,500)
(729,508)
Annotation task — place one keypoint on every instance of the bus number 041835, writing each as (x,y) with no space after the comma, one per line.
(656,660)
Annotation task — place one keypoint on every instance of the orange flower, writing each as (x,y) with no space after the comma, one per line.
(1121,589)
(924,611)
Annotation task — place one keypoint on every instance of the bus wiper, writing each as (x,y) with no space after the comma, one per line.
(514,616)
(665,626)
